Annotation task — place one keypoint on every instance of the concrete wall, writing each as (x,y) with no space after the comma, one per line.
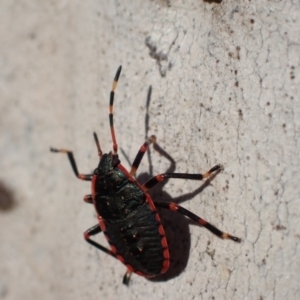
(225,89)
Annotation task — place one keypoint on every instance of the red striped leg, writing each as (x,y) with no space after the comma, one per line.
(92,231)
(87,177)
(95,230)
(88,199)
(175,207)
(140,154)
(161,177)
(126,277)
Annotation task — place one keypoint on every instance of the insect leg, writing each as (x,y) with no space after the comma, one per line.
(88,199)
(175,207)
(161,177)
(92,231)
(140,154)
(126,277)
(87,177)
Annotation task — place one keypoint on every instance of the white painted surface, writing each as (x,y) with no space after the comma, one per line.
(226,91)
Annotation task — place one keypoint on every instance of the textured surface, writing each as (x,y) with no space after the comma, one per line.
(225,81)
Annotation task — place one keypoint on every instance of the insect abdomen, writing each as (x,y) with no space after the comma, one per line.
(137,241)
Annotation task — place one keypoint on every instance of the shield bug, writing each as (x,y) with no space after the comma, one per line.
(126,213)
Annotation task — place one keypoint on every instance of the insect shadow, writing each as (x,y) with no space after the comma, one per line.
(176,225)
(213,1)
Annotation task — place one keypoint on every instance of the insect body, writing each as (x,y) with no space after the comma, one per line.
(126,213)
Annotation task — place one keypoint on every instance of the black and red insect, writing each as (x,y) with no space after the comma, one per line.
(126,213)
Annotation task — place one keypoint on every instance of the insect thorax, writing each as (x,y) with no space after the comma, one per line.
(115,195)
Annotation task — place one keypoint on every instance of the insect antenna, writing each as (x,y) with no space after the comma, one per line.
(98,145)
(111,105)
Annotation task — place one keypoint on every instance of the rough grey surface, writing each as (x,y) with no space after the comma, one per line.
(225,81)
